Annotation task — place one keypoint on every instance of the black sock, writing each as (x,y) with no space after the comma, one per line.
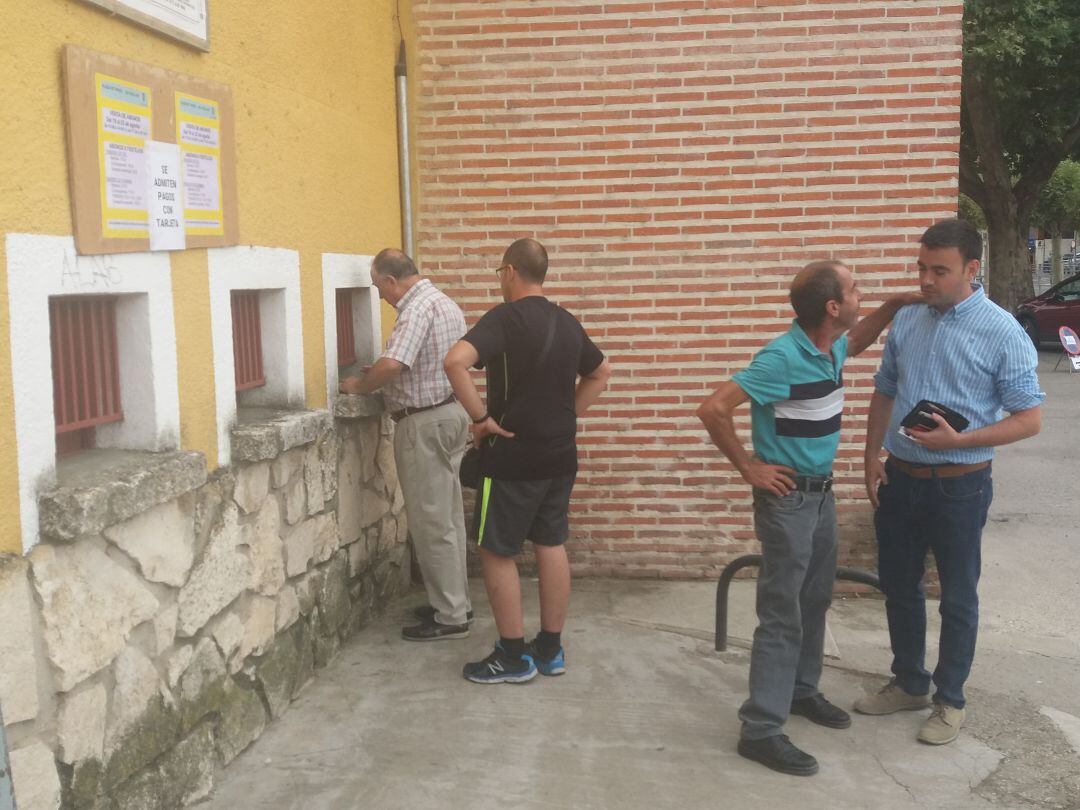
(513,647)
(548,643)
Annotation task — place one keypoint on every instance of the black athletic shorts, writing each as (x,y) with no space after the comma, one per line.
(510,512)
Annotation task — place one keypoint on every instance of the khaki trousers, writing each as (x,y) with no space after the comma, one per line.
(428,447)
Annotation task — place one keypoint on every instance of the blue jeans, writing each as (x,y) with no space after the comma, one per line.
(794,590)
(946,516)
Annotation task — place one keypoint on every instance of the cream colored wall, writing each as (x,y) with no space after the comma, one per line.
(316,160)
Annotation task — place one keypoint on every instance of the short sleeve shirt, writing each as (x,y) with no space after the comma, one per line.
(797,400)
(533,400)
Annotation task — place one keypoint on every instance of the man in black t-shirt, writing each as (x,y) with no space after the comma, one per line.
(534,352)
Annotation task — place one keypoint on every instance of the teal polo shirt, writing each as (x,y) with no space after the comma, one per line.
(797,399)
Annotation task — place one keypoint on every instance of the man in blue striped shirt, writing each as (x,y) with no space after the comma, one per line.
(932,494)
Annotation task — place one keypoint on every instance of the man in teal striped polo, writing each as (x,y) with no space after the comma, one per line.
(795,386)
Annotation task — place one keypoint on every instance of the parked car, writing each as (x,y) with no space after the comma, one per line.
(1047,312)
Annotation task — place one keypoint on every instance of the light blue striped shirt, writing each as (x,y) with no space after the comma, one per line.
(974,358)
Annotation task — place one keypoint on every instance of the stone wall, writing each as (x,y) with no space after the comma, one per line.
(166,616)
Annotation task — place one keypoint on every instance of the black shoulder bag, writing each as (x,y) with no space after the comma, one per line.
(469,473)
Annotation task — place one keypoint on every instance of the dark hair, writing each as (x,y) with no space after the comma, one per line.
(529,259)
(814,286)
(955,233)
(392,262)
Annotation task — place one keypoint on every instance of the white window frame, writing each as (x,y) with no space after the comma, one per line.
(40,267)
(275,272)
(346,270)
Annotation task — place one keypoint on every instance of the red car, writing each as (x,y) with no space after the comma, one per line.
(1044,314)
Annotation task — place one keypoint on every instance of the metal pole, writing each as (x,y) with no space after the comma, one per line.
(7,790)
(404,171)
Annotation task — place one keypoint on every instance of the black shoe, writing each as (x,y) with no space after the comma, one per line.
(818,710)
(779,754)
(426,613)
(500,668)
(433,631)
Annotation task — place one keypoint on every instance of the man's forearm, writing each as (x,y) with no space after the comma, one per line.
(866,331)
(590,387)
(721,429)
(1013,428)
(465,390)
(877,423)
(383,371)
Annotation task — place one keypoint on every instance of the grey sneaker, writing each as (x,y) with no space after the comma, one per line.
(943,725)
(891,698)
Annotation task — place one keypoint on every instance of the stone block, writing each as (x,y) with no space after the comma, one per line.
(89,606)
(277,671)
(259,626)
(154,733)
(328,456)
(252,486)
(373,506)
(165,628)
(367,440)
(202,685)
(183,776)
(18,664)
(242,720)
(384,459)
(266,551)
(300,544)
(177,663)
(285,466)
(358,406)
(33,773)
(305,646)
(219,576)
(328,540)
(160,540)
(402,528)
(358,557)
(313,480)
(80,788)
(333,595)
(295,495)
(288,608)
(107,487)
(136,686)
(306,588)
(227,630)
(81,724)
(324,649)
(263,434)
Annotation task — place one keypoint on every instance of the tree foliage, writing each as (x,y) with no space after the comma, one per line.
(1057,211)
(1020,118)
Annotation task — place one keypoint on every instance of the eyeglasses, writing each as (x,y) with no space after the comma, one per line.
(500,269)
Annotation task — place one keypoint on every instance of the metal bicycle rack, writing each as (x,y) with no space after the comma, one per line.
(723,584)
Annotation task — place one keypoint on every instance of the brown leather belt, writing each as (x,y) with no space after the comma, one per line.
(397,416)
(938,470)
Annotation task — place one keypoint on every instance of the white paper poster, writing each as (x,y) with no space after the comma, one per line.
(165,196)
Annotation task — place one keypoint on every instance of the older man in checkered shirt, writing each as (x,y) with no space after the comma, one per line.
(430,436)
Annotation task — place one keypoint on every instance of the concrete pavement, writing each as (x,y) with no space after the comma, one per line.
(645,717)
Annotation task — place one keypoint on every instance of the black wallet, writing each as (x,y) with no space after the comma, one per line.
(920,419)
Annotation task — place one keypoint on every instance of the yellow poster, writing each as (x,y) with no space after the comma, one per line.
(198,132)
(123,116)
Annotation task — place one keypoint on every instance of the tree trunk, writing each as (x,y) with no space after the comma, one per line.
(1010,271)
(1055,259)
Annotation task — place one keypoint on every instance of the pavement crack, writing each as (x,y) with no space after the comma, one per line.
(889,774)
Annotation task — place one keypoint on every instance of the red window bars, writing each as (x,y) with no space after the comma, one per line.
(247,340)
(346,338)
(86,374)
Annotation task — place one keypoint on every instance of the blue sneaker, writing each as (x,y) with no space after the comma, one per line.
(555,665)
(500,668)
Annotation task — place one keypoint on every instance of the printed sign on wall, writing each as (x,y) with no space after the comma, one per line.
(185,20)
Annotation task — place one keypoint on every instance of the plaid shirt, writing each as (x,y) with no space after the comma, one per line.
(428,324)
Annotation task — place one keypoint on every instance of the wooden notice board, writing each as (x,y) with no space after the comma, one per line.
(114,107)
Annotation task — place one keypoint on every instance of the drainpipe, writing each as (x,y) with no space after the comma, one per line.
(404,172)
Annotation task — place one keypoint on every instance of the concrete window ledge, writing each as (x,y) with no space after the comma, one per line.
(358,406)
(262,434)
(98,488)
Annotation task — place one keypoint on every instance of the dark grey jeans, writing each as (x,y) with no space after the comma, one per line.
(794,590)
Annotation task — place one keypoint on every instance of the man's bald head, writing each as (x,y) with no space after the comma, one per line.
(394,263)
(814,286)
(529,259)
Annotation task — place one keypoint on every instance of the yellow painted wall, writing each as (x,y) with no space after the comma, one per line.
(316,134)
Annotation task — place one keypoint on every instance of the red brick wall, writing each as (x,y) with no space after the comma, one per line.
(680,159)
